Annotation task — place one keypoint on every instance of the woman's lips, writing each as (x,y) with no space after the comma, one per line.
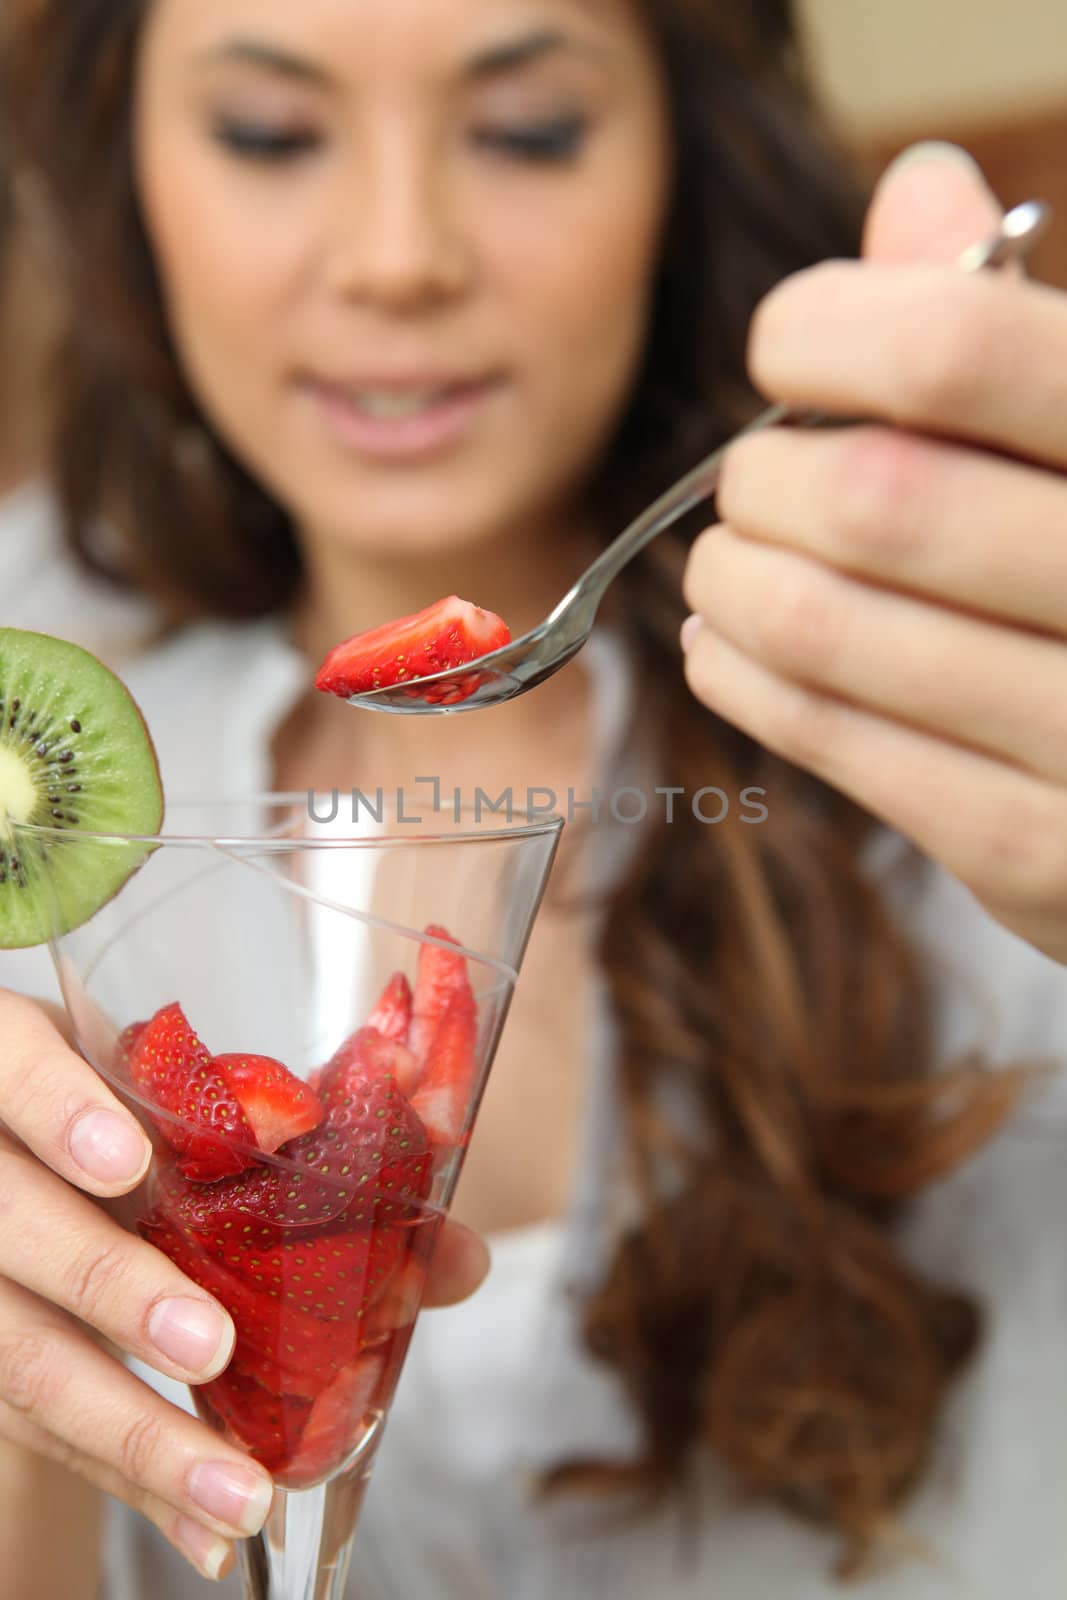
(400,422)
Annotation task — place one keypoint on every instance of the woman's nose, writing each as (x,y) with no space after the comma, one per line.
(400,239)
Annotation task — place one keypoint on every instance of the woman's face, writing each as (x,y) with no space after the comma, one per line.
(407,247)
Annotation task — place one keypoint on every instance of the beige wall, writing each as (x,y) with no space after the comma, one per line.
(888,64)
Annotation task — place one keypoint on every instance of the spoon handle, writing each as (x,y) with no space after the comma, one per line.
(1020,229)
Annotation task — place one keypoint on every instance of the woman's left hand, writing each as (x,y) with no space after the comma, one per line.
(886,605)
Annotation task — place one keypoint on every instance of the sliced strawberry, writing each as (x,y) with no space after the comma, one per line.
(346,1167)
(441,981)
(333,1276)
(364,1104)
(446,1088)
(289,1349)
(127,1040)
(269,1426)
(392,1015)
(376,1053)
(337,1422)
(447,634)
(174,1070)
(399,1305)
(278,1105)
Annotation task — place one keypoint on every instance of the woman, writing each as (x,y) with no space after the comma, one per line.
(376,304)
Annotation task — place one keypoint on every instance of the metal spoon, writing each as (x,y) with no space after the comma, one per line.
(529,660)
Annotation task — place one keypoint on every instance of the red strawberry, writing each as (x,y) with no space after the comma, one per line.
(278,1106)
(336,1424)
(314,1188)
(447,634)
(446,1088)
(332,1276)
(392,1015)
(267,1425)
(364,1104)
(287,1347)
(376,1054)
(174,1070)
(127,1039)
(340,1168)
(440,981)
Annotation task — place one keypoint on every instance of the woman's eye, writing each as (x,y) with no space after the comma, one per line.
(547,141)
(254,143)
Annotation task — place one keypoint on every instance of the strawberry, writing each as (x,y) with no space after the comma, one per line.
(392,1015)
(313,1189)
(269,1426)
(377,1053)
(440,979)
(369,1142)
(365,1106)
(335,1426)
(174,1070)
(127,1039)
(447,634)
(278,1106)
(332,1276)
(445,1090)
(280,1340)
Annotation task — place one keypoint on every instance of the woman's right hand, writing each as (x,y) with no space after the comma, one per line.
(69,1273)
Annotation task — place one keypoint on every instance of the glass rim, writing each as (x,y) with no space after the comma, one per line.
(539,825)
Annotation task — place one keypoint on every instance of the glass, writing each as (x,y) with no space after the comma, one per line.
(281,925)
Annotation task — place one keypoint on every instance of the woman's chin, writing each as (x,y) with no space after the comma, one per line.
(424,536)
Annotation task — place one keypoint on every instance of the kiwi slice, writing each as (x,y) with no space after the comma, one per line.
(76,757)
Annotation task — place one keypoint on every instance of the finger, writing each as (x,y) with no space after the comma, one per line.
(60,1245)
(209,1552)
(1001,832)
(61,1109)
(55,1377)
(979,683)
(978,530)
(931,204)
(977,355)
(459,1264)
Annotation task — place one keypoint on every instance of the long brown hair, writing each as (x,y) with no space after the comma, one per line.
(761,1307)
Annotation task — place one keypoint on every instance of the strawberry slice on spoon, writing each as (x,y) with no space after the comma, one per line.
(451,633)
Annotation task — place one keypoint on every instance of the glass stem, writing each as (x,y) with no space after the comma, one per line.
(303,1552)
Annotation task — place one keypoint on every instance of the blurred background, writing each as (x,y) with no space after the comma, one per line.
(988,74)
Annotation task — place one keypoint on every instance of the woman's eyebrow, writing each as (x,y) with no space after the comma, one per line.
(257,53)
(510,54)
(499,58)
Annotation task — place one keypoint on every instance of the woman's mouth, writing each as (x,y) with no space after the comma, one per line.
(400,419)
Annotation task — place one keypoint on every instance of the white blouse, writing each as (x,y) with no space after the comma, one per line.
(498,1388)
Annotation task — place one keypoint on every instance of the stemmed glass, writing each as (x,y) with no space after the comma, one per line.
(281,925)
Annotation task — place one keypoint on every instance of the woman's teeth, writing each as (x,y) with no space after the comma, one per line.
(385,405)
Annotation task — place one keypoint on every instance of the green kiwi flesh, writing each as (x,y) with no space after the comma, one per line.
(77,758)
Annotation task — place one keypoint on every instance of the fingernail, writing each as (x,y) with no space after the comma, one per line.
(208,1553)
(237,1496)
(109,1148)
(933,150)
(193,1333)
(690,628)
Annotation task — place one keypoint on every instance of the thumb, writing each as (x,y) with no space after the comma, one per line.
(931,203)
